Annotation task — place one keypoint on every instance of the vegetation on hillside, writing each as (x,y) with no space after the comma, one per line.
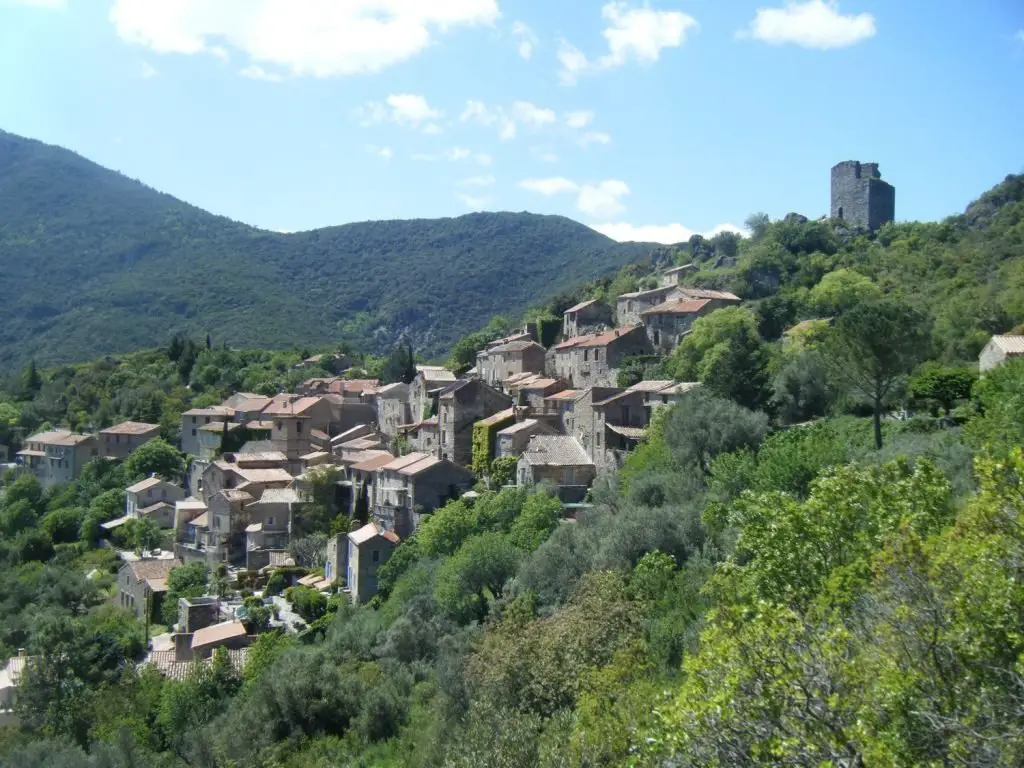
(95,263)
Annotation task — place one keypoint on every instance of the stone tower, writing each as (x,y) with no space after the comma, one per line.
(860,197)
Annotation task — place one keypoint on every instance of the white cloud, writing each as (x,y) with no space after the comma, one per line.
(601,200)
(532,115)
(256,72)
(478,181)
(579,119)
(508,129)
(550,186)
(385,153)
(409,109)
(315,38)
(421,157)
(478,112)
(595,137)
(456,154)
(544,154)
(221,53)
(525,38)
(476,203)
(668,234)
(483,159)
(49,5)
(639,34)
(811,24)
(148,70)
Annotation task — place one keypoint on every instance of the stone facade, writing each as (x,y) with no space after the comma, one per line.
(860,197)
(629,307)
(368,549)
(495,365)
(586,317)
(58,456)
(120,440)
(393,410)
(593,361)
(459,408)
(998,349)
(415,485)
(667,324)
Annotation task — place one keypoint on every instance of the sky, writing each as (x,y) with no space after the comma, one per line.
(644,120)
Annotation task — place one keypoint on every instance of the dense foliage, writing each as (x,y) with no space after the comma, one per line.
(96,263)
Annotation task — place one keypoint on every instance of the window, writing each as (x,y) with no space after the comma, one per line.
(193,421)
(193,433)
(277,425)
(207,419)
(586,355)
(298,427)
(117,438)
(271,520)
(375,556)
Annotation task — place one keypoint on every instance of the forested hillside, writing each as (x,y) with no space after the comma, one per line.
(96,263)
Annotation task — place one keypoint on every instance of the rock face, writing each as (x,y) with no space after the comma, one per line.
(795,218)
(860,197)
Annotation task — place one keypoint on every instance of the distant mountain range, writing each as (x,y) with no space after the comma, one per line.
(94,263)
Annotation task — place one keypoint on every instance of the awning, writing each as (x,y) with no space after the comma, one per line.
(630,433)
(111,525)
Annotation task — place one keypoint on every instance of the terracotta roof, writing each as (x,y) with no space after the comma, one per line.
(556,450)
(361,444)
(581,305)
(666,289)
(315,455)
(252,457)
(279,496)
(142,485)
(391,391)
(310,579)
(369,531)
(253,404)
(497,418)
(154,507)
(169,667)
(1011,345)
(420,466)
(30,452)
(566,394)
(289,405)
(707,293)
(539,384)
(157,585)
(274,475)
(618,395)
(261,425)
(130,428)
(190,503)
(404,461)
(681,307)
(58,437)
(515,346)
(218,633)
(354,386)
(518,378)
(152,569)
(374,463)
(522,426)
(319,434)
(651,385)
(520,336)
(213,410)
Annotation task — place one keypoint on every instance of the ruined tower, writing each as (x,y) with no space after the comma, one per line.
(860,197)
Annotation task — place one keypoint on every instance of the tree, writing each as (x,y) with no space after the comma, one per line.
(475,574)
(400,365)
(157,457)
(801,391)
(842,290)
(872,346)
(31,381)
(945,386)
(308,603)
(503,471)
(142,534)
(537,519)
(183,581)
(703,426)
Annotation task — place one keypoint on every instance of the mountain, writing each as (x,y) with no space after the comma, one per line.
(96,263)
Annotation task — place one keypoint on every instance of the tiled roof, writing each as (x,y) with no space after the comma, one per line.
(396,391)
(201,521)
(253,404)
(650,293)
(130,428)
(117,522)
(540,384)
(370,530)
(1011,345)
(556,450)
(681,307)
(651,386)
(707,293)
(152,569)
(213,410)
(404,461)
(172,669)
(319,434)
(565,394)
(237,494)
(155,507)
(274,475)
(58,437)
(289,405)
(497,418)
(361,443)
(523,426)
(360,430)
(632,433)
(157,585)
(581,305)
(142,485)
(602,339)
(372,464)
(261,457)
(218,633)
(279,496)
(515,346)
(354,386)
(617,396)
(521,336)
(190,503)
(420,466)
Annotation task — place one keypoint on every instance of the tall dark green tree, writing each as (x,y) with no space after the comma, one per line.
(873,346)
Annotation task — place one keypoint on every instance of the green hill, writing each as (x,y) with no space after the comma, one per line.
(95,262)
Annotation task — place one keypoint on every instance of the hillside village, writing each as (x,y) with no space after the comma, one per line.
(278,510)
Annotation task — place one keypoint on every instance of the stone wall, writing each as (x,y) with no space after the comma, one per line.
(860,197)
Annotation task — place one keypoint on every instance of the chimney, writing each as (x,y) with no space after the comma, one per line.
(182,646)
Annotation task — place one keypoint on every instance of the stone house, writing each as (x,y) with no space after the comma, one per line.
(533,391)
(560,461)
(998,350)
(143,583)
(585,318)
(667,324)
(368,549)
(675,275)
(153,498)
(58,456)
(618,425)
(269,524)
(393,411)
(120,440)
(578,419)
(361,475)
(629,307)
(461,406)
(195,418)
(227,634)
(512,440)
(559,407)
(411,486)
(593,361)
(495,365)
(424,390)
(424,436)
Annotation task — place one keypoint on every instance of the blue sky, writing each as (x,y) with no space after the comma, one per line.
(644,120)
